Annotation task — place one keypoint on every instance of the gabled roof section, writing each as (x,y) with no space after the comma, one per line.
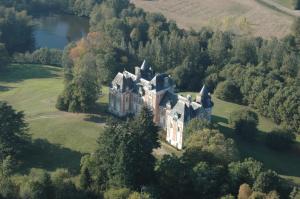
(123,81)
(161,81)
(204,91)
(205,97)
(169,98)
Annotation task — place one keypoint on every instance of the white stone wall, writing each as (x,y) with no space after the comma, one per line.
(174,132)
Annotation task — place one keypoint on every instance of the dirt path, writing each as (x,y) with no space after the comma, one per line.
(272,3)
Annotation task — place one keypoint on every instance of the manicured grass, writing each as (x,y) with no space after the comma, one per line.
(60,139)
(286,163)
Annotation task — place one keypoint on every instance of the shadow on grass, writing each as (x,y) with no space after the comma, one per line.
(218,119)
(44,155)
(18,72)
(96,119)
(283,162)
(5,88)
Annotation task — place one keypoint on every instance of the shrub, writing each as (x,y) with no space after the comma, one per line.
(40,56)
(117,193)
(60,103)
(228,91)
(244,122)
(280,139)
(194,126)
(296,4)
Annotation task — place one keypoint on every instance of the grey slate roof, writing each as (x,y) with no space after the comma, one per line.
(205,98)
(122,82)
(170,98)
(184,111)
(181,108)
(158,81)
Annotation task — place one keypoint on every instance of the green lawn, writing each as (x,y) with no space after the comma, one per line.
(285,163)
(60,139)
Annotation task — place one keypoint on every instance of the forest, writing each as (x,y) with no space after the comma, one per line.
(261,73)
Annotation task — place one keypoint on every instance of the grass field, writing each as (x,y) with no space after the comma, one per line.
(60,139)
(242,16)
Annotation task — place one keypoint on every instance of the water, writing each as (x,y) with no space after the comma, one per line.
(56,31)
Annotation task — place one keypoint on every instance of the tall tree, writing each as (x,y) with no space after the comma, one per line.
(16,30)
(13,130)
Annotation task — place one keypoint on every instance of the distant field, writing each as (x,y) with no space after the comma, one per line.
(62,138)
(242,16)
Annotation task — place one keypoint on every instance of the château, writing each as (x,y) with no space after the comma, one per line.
(129,92)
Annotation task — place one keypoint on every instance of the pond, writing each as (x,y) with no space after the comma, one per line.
(56,31)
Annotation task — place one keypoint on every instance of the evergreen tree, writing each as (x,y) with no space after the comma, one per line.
(85,179)
(13,131)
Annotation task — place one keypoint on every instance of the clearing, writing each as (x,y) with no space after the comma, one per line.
(256,17)
(60,138)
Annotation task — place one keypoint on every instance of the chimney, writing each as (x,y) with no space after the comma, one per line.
(189,98)
(166,82)
(138,72)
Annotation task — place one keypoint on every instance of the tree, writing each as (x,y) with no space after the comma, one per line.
(269,181)
(136,195)
(218,47)
(37,185)
(144,140)
(245,51)
(228,91)
(85,179)
(4,57)
(245,191)
(296,4)
(194,126)
(172,173)
(117,193)
(124,151)
(208,179)
(13,131)
(245,171)
(280,139)
(296,31)
(212,144)
(244,122)
(81,93)
(16,30)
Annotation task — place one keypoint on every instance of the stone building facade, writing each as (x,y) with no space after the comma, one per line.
(129,92)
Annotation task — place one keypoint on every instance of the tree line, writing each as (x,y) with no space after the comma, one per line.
(16,33)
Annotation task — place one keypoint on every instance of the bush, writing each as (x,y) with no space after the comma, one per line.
(280,139)
(117,193)
(244,122)
(60,103)
(4,57)
(296,4)
(228,91)
(41,56)
(194,126)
